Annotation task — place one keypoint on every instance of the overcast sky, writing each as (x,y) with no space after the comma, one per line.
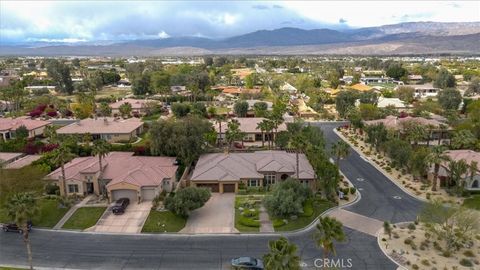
(70,21)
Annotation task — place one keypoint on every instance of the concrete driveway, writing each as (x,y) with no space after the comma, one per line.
(129,222)
(216,216)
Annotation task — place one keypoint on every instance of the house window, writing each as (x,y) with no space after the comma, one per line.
(304,183)
(72,188)
(270,179)
(253,183)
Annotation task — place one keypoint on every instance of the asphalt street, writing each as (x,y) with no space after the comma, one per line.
(60,249)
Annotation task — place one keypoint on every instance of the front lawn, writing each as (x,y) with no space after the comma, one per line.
(472,202)
(164,221)
(312,209)
(84,217)
(153,117)
(247,213)
(49,213)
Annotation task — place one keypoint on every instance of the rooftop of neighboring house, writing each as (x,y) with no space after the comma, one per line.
(9,157)
(248,125)
(420,86)
(466,155)
(178,88)
(360,87)
(14,123)
(236,166)
(385,102)
(238,90)
(415,77)
(251,103)
(137,104)
(395,122)
(23,161)
(121,167)
(102,125)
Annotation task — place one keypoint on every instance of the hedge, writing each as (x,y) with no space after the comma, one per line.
(308,208)
(249,222)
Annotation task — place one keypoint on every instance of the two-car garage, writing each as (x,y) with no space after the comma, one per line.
(125,193)
(219,187)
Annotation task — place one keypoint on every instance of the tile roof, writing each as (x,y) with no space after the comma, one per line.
(361,87)
(121,167)
(396,123)
(8,157)
(22,162)
(137,104)
(236,166)
(248,125)
(102,125)
(14,123)
(467,155)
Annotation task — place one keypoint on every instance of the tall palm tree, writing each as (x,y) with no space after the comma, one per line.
(263,126)
(435,158)
(299,143)
(233,132)
(62,155)
(456,171)
(282,255)
(268,130)
(340,150)
(328,229)
(220,118)
(21,207)
(472,170)
(101,148)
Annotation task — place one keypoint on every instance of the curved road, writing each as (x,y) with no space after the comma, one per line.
(60,249)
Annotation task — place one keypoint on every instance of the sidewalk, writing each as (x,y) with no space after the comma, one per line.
(70,212)
(357,222)
(265,222)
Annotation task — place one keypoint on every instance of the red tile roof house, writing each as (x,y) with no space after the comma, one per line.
(248,125)
(124,175)
(138,105)
(396,123)
(222,172)
(466,155)
(9,125)
(108,128)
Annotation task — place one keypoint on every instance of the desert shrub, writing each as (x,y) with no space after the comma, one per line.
(468,253)
(411,226)
(353,190)
(466,262)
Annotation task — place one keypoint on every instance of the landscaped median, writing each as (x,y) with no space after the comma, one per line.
(84,217)
(162,222)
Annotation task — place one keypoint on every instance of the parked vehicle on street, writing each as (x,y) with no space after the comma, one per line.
(249,263)
(12,227)
(120,206)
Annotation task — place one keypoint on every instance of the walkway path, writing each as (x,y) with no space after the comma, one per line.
(70,212)
(265,222)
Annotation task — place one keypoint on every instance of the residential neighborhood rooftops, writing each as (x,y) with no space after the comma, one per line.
(238,90)
(361,87)
(103,125)
(14,123)
(136,104)
(385,102)
(248,125)
(395,122)
(9,157)
(23,161)
(236,166)
(121,167)
(466,155)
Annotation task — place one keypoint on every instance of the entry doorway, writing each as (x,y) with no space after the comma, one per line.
(89,188)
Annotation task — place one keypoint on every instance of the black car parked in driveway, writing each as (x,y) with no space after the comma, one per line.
(120,206)
(12,227)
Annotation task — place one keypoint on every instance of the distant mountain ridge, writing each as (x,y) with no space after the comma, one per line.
(419,37)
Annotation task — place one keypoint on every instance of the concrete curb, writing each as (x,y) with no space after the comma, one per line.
(379,168)
(379,242)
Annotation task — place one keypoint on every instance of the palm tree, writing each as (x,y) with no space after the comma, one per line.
(21,208)
(456,170)
(282,255)
(62,155)
(219,118)
(101,148)
(472,170)
(340,150)
(387,229)
(435,158)
(328,229)
(233,132)
(299,143)
(268,130)
(263,126)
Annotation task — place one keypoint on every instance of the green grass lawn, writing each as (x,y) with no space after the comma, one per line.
(152,117)
(472,202)
(156,220)
(48,214)
(11,268)
(319,206)
(84,217)
(239,201)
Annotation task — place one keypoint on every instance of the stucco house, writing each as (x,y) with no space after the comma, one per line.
(223,172)
(469,156)
(138,105)
(108,128)
(138,178)
(248,125)
(9,125)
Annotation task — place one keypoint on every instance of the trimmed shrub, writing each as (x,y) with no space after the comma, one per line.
(308,208)
(466,262)
(249,222)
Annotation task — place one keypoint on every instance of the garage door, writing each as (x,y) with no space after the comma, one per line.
(212,187)
(125,193)
(148,194)
(228,187)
